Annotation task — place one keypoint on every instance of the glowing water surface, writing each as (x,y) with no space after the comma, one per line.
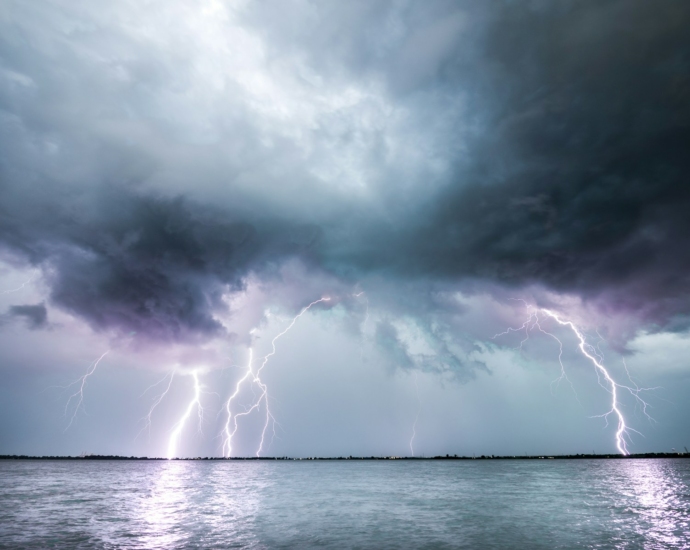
(346,504)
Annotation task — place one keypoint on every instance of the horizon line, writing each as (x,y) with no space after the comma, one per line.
(372,457)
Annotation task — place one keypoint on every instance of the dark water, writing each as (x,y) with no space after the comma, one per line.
(346,504)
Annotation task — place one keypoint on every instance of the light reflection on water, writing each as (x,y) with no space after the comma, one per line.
(161,512)
(271,504)
(654,498)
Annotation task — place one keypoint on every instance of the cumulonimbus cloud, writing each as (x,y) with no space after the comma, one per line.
(147,182)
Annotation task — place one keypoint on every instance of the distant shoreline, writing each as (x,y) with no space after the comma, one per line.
(370,458)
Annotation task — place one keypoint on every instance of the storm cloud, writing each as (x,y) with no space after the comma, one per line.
(151,170)
(575,174)
(155,266)
(36,315)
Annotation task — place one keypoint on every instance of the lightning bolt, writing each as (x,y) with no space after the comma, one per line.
(419,408)
(20,286)
(254,379)
(177,429)
(637,390)
(589,352)
(79,394)
(228,434)
(530,324)
(157,401)
(594,355)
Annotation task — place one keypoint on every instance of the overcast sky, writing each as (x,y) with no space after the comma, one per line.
(180,178)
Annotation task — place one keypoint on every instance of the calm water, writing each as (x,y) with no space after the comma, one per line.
(347,504)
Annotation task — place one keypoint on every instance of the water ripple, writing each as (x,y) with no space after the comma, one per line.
(621,504)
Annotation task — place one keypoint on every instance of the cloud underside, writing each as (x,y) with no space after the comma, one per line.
(36,315)
(514,143)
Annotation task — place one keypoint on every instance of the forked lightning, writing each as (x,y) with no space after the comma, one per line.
(596,358)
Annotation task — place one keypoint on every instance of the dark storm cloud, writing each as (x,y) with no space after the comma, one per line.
(552,145)
(577,176)
(36,315)
(155,266)
(582,182)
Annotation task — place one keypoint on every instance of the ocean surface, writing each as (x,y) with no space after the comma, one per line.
(502,504)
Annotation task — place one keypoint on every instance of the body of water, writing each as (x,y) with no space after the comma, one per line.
(502,504)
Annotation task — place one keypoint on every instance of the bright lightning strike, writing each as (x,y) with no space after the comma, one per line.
(596,358)
(419,408)
(586,348)
(177,429)
(157,401)
(79,394)
(228,434)
(254,378)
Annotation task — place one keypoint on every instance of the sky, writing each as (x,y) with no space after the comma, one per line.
(363,227)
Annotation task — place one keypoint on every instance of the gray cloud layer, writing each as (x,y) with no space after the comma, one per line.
(149,171)
(36,315)
(576,176)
